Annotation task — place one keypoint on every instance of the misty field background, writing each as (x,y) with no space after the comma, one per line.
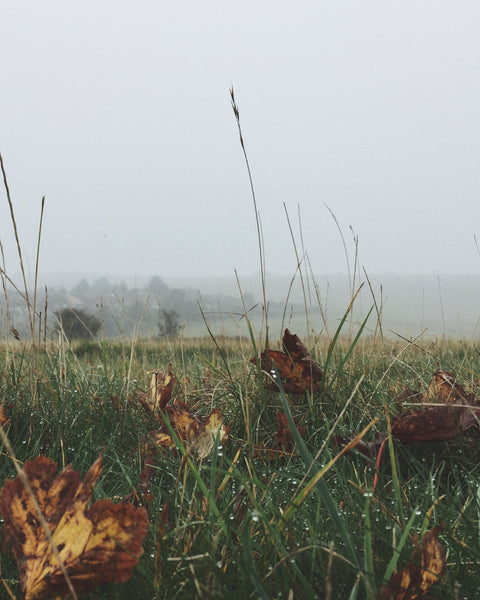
(251,518)
(268,513)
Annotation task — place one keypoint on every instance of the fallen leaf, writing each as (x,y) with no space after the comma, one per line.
(283,444)
(435,423)
(416,579)
(284,439)
(444,389)
(298,372)
(4,418)
(159,393)
(199,435)
(99,544)
(455,412)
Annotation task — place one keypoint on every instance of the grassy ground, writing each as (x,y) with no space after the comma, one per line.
(232,525)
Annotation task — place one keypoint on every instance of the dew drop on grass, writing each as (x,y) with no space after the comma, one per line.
(255,516)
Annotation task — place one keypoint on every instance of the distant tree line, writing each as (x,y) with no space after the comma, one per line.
(114,309)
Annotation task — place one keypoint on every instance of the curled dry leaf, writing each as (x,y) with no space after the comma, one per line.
(416,579)
(444,389)
(298,372)
(436,423)
(458,412)
(99,544)
(198,434)
(159,393)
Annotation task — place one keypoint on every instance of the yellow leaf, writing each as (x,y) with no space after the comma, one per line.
(96,545)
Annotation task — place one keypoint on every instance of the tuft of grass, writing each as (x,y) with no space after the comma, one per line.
(239,522)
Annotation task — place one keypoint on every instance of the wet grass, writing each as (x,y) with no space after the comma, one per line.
(238,522)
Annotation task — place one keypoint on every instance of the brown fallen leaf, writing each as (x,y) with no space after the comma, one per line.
(414,581)
(436,423)
(4,418)
(198,434)
(283,445)
(298,372)
(455,412)
(99,544)
(159,393)
(284,439)
(444,389)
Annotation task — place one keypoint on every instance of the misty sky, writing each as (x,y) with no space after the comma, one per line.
(119,113)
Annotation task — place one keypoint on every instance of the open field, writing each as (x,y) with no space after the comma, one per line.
(255,518)
(346,467)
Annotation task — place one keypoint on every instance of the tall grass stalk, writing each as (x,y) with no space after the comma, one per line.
(261,247)
(19,249)
(299,269)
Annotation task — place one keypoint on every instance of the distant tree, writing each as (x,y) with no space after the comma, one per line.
(157,285)
(169,324)
(77,323)
(81,290)
(101,284)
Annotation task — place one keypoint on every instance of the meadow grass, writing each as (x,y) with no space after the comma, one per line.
(237,521)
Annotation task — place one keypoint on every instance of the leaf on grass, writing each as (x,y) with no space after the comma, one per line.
(444,389)
(436,423)
(284,439)
(298,372)
(159,393)
(4,418)
(416,579)
(457,413)
(283,445)
(99,544)
(198,434)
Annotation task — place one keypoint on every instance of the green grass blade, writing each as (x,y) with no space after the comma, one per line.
(250,564)
(393,462)
(336,336)
(396,553)
(320,483)
(368,547)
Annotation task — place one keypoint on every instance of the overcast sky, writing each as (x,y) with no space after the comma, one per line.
(118,112)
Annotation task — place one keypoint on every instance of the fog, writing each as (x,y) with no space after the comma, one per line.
(119,114)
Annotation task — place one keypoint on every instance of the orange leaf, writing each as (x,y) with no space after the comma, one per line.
(198,434)
(297,371)
(99,544)
(416,579)
(4,418)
